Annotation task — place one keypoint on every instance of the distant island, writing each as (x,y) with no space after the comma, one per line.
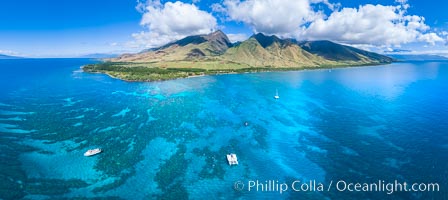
(3,56)
(214,54)
(99,55)
(417,57)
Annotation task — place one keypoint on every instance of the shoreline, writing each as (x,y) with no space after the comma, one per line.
(233,71)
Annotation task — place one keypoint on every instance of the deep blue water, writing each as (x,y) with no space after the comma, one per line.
(169,139)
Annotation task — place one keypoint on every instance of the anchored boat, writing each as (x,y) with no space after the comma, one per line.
(276,95)
(92,152)
(232,159)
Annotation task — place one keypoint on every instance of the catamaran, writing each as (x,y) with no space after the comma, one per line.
(232,159)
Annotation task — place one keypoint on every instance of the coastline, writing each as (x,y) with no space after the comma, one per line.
(205,72)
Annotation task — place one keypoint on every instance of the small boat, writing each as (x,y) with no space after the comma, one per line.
(232,159)
(92,152)
(276,95)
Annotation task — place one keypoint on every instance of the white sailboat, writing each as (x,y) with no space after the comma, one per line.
(276,95)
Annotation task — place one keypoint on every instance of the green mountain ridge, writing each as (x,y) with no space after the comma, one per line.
(214,53)
(336,52)
(270,51)
(257,51)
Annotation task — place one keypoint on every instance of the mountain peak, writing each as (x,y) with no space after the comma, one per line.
(220,37)
(266,40)
(217,33)
(219,41)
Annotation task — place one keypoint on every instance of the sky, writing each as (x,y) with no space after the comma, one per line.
(50,28)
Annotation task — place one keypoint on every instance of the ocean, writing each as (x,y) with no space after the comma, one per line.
(329,131)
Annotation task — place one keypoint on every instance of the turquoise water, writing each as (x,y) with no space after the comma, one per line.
(168,140)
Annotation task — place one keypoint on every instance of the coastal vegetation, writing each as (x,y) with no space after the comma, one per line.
(149,72)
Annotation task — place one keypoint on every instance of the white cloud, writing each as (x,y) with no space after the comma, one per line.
(282,18)
(9,52)
(237,37)
(331,6)
(218,8)
(376,25)
(371,24)
(170,21)
(430,38)
(271,16)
